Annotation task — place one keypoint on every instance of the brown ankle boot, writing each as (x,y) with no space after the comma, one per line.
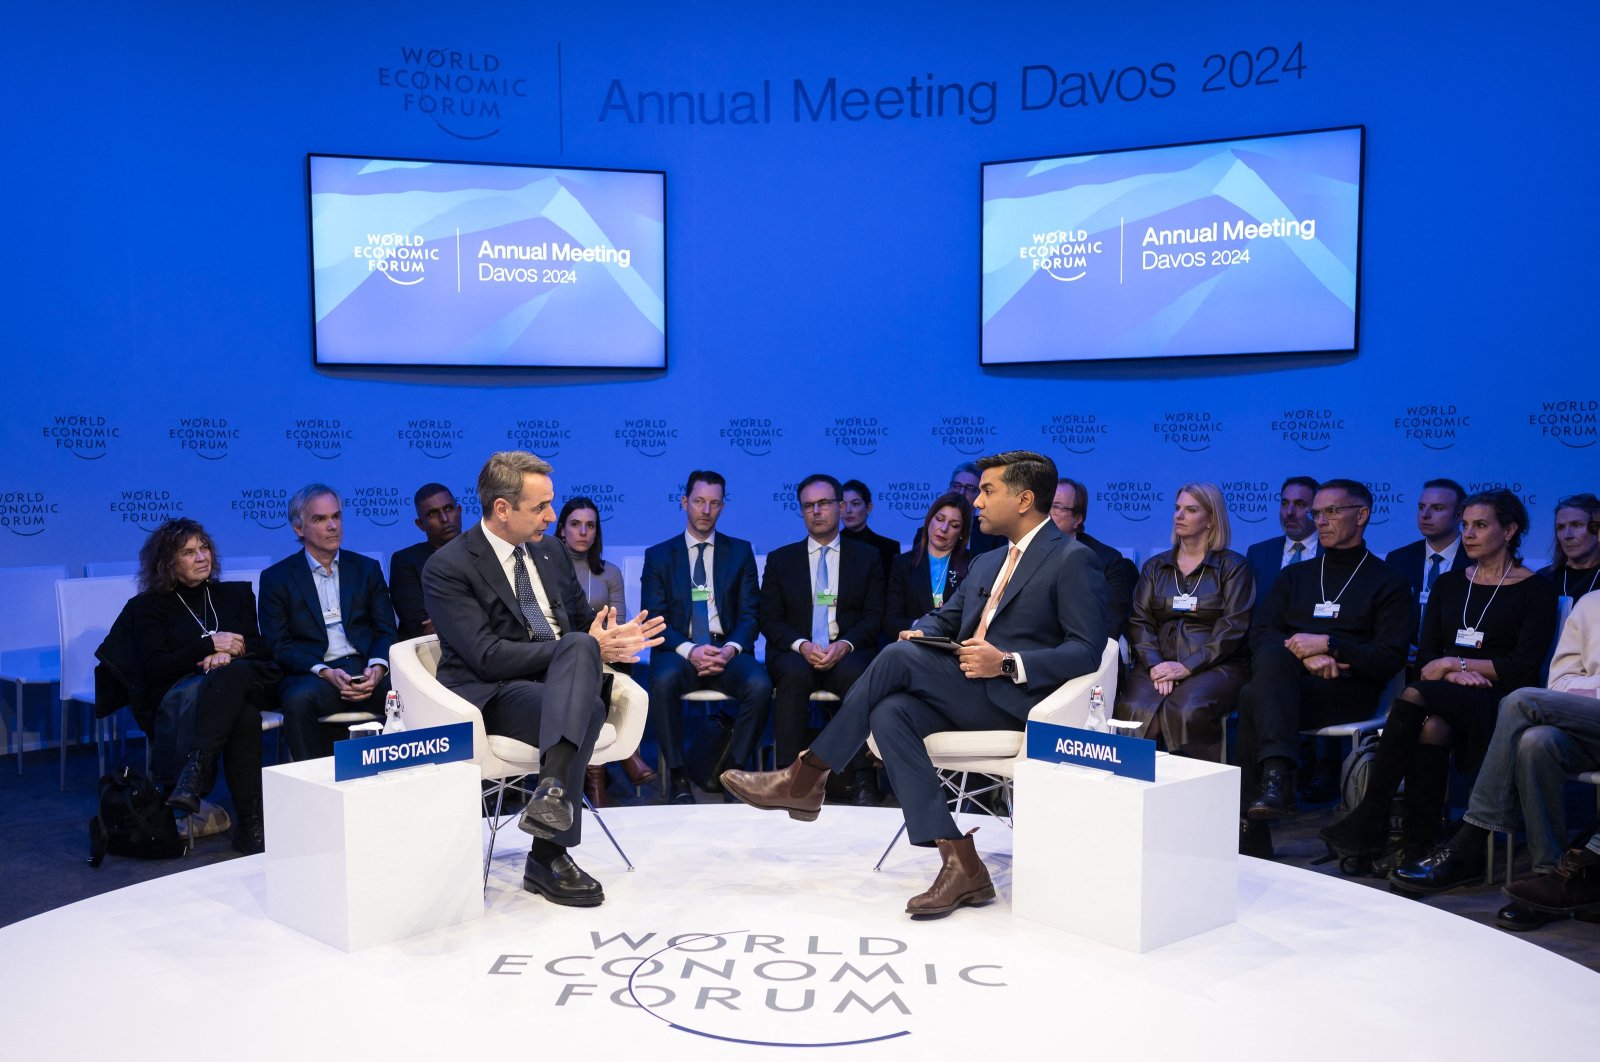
(797,789)
(638,771)
(594,785)
(963,879)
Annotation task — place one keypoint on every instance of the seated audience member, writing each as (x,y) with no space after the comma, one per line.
(578,528)
(926,575)
(1191,616)
(1069,511)
(703,584)
(1484,634)
(517,638)
(1298,541)
(964,481)
(1323,645)
(1439,549)
(326,616)
(438,518)
(855,507)
(1575,564)
(822,604)
(1540,737)
(197,674)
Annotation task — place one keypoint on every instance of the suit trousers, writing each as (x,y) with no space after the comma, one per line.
(564,704)
(906,694)
(793,682)
(306,698)
(671,676)
(1282,698)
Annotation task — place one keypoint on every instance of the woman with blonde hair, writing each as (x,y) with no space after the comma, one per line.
(1191,612)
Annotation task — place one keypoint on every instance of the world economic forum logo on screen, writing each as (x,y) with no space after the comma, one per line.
(1062,254)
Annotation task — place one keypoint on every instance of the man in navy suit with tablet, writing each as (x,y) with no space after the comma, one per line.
(1028,618)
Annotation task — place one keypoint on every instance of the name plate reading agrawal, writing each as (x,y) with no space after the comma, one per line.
(1128,757)
(365,757)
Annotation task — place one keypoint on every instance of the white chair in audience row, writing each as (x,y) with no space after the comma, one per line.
(30,653)
(85,608)
(505,761)
(956,754)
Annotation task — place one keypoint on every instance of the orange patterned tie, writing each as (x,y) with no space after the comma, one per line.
(999,592)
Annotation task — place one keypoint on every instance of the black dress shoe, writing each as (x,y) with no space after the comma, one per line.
(1255,839)
(1276,796)
(562,881)
(865,794)
(548,812)
(1440,870)
(682,791)
(1520,918)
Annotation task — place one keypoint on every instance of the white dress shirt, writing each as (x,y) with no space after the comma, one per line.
(508,564)
(711,580)
(327,584)
(1310,544)
(832,552)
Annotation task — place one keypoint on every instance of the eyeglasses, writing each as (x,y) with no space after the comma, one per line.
(818,506)
(969,489)
(1062,508)
(1333,512)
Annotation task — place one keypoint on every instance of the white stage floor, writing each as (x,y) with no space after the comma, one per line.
(807,946)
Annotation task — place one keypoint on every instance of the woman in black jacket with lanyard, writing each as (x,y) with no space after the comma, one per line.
(925,576)
(1485,632)
(204,674)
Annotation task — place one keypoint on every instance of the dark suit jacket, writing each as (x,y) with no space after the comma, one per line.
(405,587)
(1410,561)
(483,637)
(786,596)
(1266,561)
(291,616)
(888,549)
(911,591)
(664,590)
(1052,615)
(1121,576)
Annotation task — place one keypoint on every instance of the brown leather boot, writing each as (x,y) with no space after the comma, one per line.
(638,771)
(594,785)
(797,789)
(963,879)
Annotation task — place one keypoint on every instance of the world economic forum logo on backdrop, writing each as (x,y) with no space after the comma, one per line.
(430,437)
(1313,430)
(605,495)
(207,438)
(85,436)
(1130,499)
(469,95)
(1062,254)
(319,437)
(1435,427)
(1386,501)
(1249,500)
(378,505)
(146,509)
(538,435)
(861,436)
(1474,486)
(1572,422)
(751,435)
(646,436)
(970,434)
(266,507)
(26,513)
(1191,431)
(787,496)
(908,497)
(1077,433)
(467,498)
(747,987)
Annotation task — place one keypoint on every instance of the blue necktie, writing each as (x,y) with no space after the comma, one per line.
(819,613)
(539,628)
(700,622)
(1433,571)
(1296,553)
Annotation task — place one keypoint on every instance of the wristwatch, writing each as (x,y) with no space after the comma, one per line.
(1008,665)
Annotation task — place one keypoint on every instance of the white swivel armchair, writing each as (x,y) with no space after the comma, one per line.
(505,761)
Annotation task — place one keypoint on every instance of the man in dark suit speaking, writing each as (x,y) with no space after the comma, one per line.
(517,639)
(326,615)
(1028,618)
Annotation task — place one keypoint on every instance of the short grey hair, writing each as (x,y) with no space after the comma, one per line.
(304,497)
(502,477)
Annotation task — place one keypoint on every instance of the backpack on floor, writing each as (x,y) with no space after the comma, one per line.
(134,820)
(1354,774)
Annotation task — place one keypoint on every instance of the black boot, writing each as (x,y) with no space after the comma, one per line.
(1422,811)
(1276,796)
(1255,839)
(196,779)
(1361,833)
(250,828)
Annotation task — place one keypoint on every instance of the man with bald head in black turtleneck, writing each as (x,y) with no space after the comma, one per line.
(1329,636)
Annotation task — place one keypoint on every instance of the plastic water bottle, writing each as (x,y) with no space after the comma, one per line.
(1097,711)
(393,721)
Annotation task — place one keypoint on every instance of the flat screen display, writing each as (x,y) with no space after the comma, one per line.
(1243,246)
(420,263)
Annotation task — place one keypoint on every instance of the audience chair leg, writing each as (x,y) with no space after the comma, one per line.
(593,811)
(892,842)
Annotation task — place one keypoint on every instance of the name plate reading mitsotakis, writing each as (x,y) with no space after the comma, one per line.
(1129,757)
(365,757)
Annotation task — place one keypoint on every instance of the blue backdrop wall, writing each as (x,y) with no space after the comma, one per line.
(823,269)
